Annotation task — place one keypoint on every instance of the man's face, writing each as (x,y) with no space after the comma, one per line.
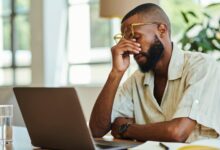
(145,34)
(147,59)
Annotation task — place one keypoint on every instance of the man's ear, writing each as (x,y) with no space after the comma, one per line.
(162,28)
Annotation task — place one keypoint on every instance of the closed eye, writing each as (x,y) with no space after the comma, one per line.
(137,37)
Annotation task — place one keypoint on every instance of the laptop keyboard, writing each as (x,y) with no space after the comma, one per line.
(113,145)
(101,146)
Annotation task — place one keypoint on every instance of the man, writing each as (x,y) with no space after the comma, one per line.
(174,96)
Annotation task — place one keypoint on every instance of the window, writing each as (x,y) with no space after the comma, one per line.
(15,55)
(89,42)
(90,39)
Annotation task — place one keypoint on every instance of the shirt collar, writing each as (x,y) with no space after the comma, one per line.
(175,68)
(148,77)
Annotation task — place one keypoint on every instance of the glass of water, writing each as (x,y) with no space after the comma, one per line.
(6,116)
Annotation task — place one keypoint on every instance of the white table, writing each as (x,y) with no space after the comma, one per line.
(21,140)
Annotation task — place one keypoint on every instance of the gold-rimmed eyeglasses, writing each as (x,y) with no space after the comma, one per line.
(128,32)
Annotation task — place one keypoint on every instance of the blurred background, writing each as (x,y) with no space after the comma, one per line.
(66,42)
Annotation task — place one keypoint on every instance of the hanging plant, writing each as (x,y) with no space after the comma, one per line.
(201,36)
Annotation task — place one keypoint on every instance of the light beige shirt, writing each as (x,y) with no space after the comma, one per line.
(192,90)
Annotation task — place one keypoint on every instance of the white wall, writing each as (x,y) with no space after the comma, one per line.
(87,96)
(37,41)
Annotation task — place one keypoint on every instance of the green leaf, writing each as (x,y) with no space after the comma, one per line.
(191,26)
(185,17)
(192,13)
(206,15)
(212,5)
(194,46)
(205,40)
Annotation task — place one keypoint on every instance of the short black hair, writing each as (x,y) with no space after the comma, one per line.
(147,9)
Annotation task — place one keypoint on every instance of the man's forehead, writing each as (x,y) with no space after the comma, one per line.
(133,19)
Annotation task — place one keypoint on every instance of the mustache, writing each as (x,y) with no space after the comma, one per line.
(153,55)
(146,54)
(158,48)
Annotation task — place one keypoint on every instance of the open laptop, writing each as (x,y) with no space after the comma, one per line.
(55,120)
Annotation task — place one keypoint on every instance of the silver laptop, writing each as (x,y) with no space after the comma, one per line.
(55,120)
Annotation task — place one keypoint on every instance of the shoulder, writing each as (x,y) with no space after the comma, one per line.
(197,65)
(196,61)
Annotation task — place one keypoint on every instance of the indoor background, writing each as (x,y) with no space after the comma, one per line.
(57,43)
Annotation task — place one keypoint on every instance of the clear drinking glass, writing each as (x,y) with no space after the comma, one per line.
(6,116)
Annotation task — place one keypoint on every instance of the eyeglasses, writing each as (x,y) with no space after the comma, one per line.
(129,31)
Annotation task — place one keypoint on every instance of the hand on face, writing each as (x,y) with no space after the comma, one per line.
(117,123)
(121,52)
(151,56)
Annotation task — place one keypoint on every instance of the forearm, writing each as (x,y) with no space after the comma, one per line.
(153,132)
(100,121)
(176,130)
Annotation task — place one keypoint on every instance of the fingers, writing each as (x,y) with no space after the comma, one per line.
(117,123)
(131,48)
(114,131)
(127,47)
(115,135)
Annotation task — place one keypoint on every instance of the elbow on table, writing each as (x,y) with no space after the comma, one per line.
(181,129)
(177,135)
(97,132)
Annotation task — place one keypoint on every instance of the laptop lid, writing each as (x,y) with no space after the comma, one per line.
(54,118)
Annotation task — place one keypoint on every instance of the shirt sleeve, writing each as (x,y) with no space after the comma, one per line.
(123,103)
(201,99)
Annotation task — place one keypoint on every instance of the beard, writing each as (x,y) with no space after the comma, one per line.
(152,56)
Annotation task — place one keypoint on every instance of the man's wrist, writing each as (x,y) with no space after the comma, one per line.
(123,129)
(126,134)
(115,72)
